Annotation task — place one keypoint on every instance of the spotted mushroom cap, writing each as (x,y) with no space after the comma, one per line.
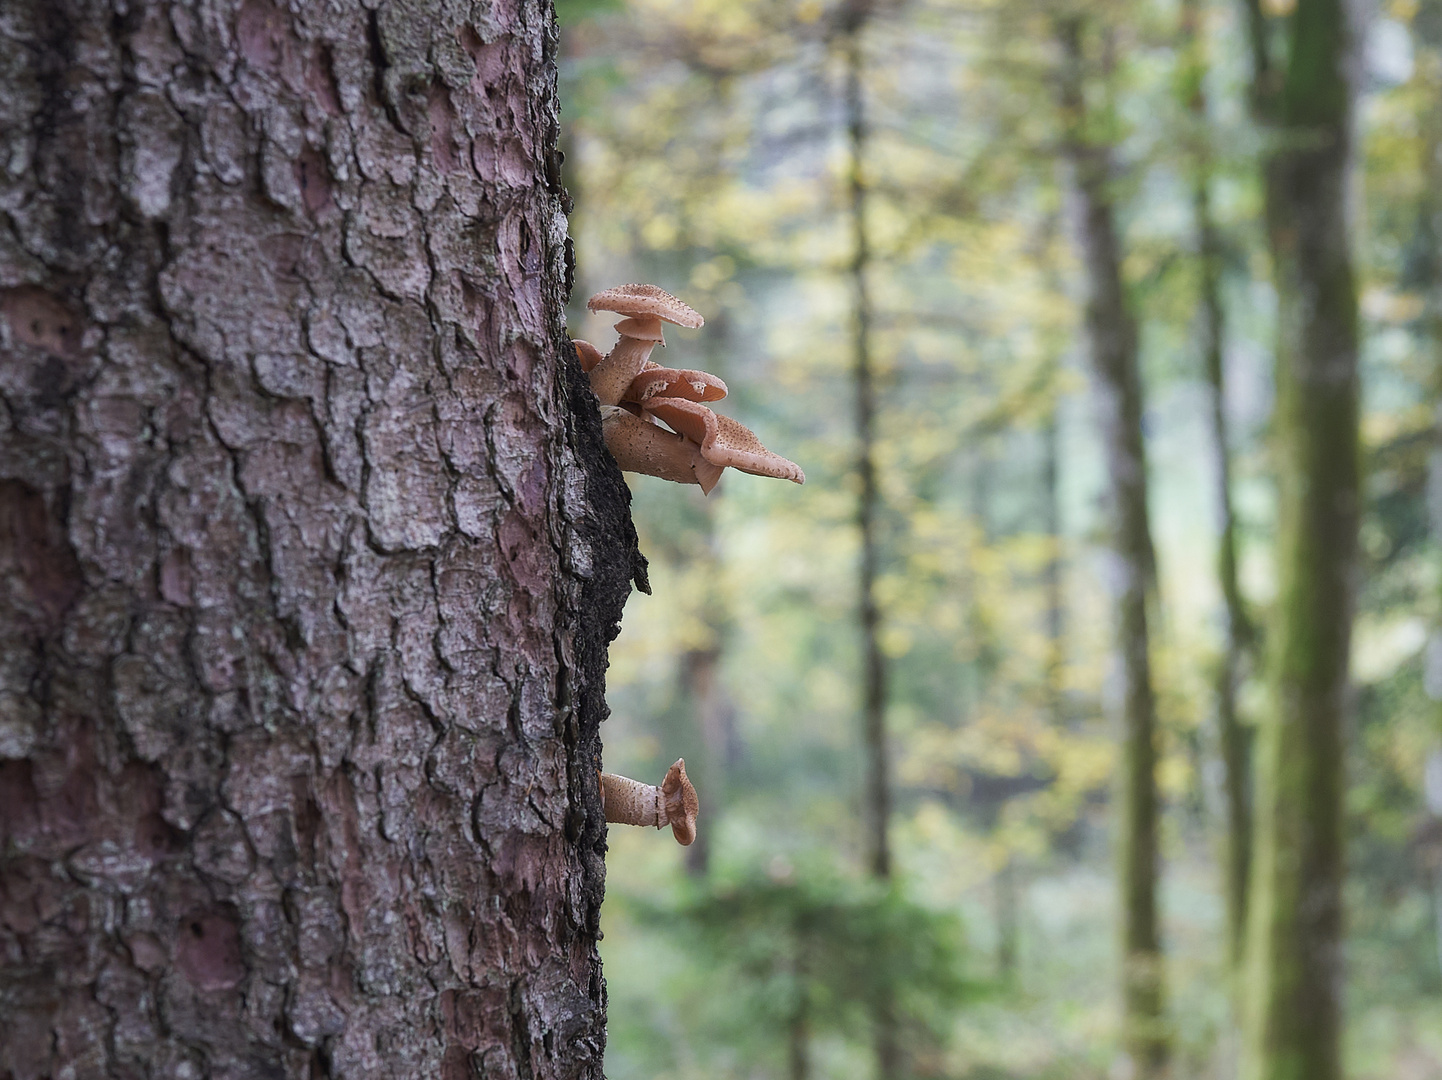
(723,441)
(655,381)
(639,301)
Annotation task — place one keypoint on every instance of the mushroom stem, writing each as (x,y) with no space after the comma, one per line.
(611,377)
(674,803)
(630,802)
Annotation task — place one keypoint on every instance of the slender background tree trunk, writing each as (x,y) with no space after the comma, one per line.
(1233,740)
(873,662)
(877,804)
(1295,931)
(1112,344)
(309,549)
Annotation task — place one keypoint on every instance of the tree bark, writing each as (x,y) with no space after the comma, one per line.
(310,550)
(1112,343)
(1294,968)
(1233,740)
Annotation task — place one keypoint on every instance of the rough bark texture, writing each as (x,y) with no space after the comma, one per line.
(1294,972)
(310,550)
(1112,344)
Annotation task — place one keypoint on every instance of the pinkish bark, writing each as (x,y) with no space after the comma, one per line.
(310,550)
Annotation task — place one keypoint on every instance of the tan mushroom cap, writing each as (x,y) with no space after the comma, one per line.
(638,301)
(682,806)
(655,382)
(724,441)
(587,353)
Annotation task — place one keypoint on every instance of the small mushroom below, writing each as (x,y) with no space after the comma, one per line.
(674,802)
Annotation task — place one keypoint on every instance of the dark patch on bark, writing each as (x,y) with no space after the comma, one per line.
(619,562)
(37,563)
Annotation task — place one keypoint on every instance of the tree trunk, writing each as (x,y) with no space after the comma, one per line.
(310,550)
(1295,930)
(873,664)
(1233,740)
(1112,343)
(706,699)
(877,807)
(1053,571)
(1429,283)
(1007,897)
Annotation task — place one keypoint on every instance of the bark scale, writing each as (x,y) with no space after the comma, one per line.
(1112,343)
(310,549)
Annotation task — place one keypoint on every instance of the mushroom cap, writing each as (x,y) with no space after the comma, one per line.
(666,382)
(682,806)
(639,300)
(723,441)
(587,353)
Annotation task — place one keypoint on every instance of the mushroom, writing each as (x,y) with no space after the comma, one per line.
(587,353)
(636,395)
(674,803)
(643,446)
(645,308)
(670,382)
(723,441)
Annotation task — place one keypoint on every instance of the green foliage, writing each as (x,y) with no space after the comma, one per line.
(833,949)
(704,153)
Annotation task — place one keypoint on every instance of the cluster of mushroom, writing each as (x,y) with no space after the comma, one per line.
(638,396)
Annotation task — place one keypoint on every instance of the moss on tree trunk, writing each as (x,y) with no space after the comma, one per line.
(1294,969)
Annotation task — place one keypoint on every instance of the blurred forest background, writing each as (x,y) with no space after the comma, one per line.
(920,695)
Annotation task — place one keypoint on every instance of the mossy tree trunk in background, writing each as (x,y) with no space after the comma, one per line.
(1053,572)
(1425,275)
(310,549)
(1294,966)
(1112,343)
(853,18)
(873,661)
(1233,739)
(711,714)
